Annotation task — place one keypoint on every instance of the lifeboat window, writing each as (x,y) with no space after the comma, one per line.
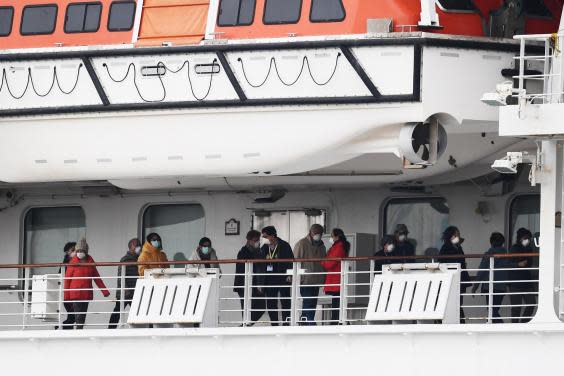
(457,5)
(425,217)
(39,19)
(536,8)
(122,15)
(6,19)
(83,18)
(282,11)
(327,11)
(236,12)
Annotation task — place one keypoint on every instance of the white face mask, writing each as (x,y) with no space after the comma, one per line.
(390,248)
(455,240)
(80,255)
(402,238)
(316,237)
(265,241)
(156,244)
(257,244)
(205,250)
(526,242)
(331,240)
(137,250)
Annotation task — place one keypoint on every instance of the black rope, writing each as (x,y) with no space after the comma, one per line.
(186,63)
(32,83)
(305,61)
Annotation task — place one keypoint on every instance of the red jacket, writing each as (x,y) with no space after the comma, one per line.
(336,251)
(86,275)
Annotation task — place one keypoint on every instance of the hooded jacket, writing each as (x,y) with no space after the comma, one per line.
(78,280)
(151,254)
(333,268)
(307,249)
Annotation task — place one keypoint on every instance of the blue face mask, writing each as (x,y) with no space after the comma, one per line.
(205,250)
(156,244)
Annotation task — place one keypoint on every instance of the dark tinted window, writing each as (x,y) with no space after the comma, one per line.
(458,5)
(282,11)
(83,17)
(536,8)
(122,15)
(6,19)
(327,11)
(39,19)
(236,12)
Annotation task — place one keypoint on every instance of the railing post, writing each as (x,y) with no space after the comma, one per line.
(372,266)
(294,293)
(25,297)
(343,292)
(247,293)
(521,67)
(61,296)
(546,71)
(490,289)
(121,295)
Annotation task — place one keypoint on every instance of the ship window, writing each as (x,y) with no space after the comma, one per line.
(282,11)
(327,11)
(122,15)
(39,19)
(180,226)
(524,211)
(47,230)
(536,8)
(425,217)
(236,12)
(291,225)
(6,19)
(83,18)
(457,5)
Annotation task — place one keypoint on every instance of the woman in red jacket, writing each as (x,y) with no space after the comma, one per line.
(339,249)
(78,282)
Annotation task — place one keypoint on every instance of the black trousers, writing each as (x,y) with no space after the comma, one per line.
(335,307)
(258,304)
(71,319)
(114,318)
(272,294)
(80,309)
(525,312)
(496,302)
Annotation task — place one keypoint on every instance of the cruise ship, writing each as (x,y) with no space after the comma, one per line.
(201,120)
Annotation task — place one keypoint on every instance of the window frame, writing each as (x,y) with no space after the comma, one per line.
(11,20)
(327,21)
(39,6)
(87,3)
(467,11)
(509,207)
(238,16)
(281,23)
(132,18)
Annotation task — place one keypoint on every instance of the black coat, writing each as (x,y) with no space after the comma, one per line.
(247,253)
(404,249)
(379,263)
(131,275)
(450,249)
(521,275)
(283,251)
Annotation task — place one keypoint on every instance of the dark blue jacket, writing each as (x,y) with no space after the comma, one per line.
(522,275)
(500,272)
(277,275)
(405,249)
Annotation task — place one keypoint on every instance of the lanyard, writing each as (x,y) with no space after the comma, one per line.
(272,253)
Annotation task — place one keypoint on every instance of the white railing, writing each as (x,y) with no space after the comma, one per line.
(539,75)
(515,301)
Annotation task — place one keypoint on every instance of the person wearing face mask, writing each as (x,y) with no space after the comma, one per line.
(131,275)
(69,254)
(251,251)
(276,280)
(403,247)
(78,282)
(523,297)
(340,249)
(389,249)
(452,246)
(151,252)
(310,247)
(205,252)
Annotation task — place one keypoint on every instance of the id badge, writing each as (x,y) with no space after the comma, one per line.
(269,268)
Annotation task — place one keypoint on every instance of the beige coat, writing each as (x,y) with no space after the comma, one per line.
(305,249)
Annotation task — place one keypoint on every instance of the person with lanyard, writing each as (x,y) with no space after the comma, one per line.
(277,282)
